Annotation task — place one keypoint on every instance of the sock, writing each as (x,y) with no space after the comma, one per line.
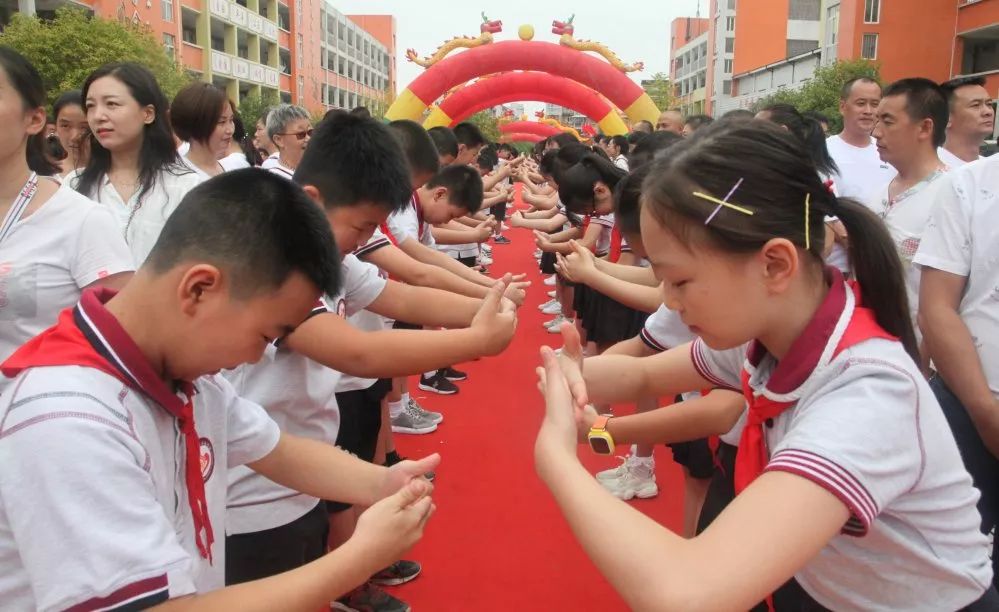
(430,374)
(404,398)
(396,408)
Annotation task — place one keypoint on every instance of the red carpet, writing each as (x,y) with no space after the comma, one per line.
(497,541)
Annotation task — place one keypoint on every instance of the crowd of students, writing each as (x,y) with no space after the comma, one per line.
(208,335)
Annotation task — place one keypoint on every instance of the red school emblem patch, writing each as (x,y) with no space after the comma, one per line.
(206,456)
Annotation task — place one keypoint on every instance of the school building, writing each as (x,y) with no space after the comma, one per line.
(757,47)
(301,51)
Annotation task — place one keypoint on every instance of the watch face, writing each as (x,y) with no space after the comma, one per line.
(600,446)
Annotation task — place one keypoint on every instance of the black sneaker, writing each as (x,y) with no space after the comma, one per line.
(501,240)
(398,573)
(438,384)
(369,598)
(452,374)
(394,458)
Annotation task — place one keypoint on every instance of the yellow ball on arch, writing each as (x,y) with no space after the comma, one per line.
(526,32)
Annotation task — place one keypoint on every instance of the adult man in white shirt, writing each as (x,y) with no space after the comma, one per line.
(912,121)
(972,120)
(959,315)
(861,170)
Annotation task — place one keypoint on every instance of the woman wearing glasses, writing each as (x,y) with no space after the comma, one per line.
(134,168)
(289,128)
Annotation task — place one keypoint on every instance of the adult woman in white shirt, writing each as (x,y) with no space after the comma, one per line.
(289,128)
(201,115)
(134,168)
(53,242)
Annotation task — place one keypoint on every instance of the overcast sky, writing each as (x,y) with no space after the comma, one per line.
(637,30)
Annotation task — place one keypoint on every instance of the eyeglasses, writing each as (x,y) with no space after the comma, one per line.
(298,135)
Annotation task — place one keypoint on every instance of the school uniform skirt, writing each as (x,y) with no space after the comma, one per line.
(606,320)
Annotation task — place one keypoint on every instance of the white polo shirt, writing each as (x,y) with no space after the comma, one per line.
(234,161)
(280,169)
(867,428)
(906,217)
(606,223)
(962,237)
(48,258)
(94,508)
(861,170)
(408,223)
(141,221)
(621,162)
(300,395)
(950,160)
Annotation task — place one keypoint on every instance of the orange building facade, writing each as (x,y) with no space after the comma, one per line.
(298,51)
(689,55)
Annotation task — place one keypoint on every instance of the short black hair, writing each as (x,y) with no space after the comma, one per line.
(650,146)
(621,142)
(361,111)
(698,121)
(444,140)
(464,186)
(628,200)
(352,161)
(564,139)
(487,158)
(509,148)
(844,93)
(950,87)
(417,146)
(636,138)
(646,126)
(257,226)
(469,134)
(738,113)
(924,99)
(196,110)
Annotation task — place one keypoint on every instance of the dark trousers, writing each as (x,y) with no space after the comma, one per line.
(252,556)
(499,211)
(980,463)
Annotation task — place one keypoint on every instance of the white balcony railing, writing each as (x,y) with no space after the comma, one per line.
(246,70)
(248,20)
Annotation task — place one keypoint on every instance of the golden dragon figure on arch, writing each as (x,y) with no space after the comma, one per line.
(566,30)
(487,29)
(552,121)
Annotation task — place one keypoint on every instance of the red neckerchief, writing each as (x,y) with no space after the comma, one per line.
(76,340)
(418,207)
(753,456)
(615,245)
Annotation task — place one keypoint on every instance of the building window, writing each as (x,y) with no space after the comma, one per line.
(727,87)
(872,11)
(869,48)
(190,35)
(170,44)
(729,45)
(832,26)
(728,66)
(730,24)
(167,10)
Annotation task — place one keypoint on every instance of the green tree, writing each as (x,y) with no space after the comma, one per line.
(660,90)
(252,107)
(487,123)
(822,92)
(68,48)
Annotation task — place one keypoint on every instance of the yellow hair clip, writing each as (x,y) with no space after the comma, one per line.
(808,237)
(722,202)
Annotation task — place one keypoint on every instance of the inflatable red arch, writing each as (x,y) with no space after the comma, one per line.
(521,137)
(526,86)
(542,130)
(527,55)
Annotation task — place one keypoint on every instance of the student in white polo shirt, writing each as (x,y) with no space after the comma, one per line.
(958,316)
(134,169)
(912,119)
(54,243)
(117,409)
(861,170)
(272,530)
(289,127)
(201,115)
(847,475)
(972,120)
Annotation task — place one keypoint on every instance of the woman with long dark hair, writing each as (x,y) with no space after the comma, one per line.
(54,243)
(134,168)
(72,130)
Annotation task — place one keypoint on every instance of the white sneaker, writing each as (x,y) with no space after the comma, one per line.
(547,304)
(551,294)
(614,473)
(638,480)
(484,260)
(554,323)
(488,250)
(537,254)
(550,281)
(552,308)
